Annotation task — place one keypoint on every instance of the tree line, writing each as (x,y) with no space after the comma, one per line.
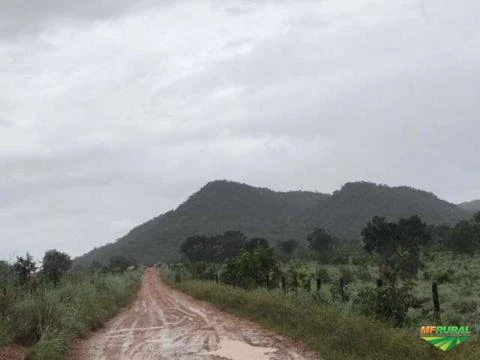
(398,248)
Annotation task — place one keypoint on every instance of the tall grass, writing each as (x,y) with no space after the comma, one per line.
(334,335)
(47,319)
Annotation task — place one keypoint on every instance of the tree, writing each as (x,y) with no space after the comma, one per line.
(323,243)
(4,271)
(287,247)
(198,248)
(440,234)
(398,245)
(120,263)
(251,268)
(464,238)
(256,243)
(224,247)
(24,268)
(476,217)
(229,245)
(55,264)
(216,248)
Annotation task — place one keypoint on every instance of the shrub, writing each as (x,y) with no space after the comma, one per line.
(388,303)
(323,274)
(347,274)
(465,306)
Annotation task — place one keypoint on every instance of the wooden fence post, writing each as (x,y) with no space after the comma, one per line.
(284,285)
(436,302)
(319,284)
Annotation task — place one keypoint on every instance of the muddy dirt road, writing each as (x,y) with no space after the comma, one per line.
(166,324)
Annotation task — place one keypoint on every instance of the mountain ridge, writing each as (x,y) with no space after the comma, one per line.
(472,206)
(223,205)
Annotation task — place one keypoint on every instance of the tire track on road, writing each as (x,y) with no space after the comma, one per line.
(164,323)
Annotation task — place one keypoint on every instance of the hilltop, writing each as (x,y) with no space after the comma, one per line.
(224,205)
(472,206)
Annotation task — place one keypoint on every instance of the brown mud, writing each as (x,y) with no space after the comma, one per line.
(164,323)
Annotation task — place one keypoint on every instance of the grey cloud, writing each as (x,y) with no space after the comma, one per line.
(119,112)
(23,17)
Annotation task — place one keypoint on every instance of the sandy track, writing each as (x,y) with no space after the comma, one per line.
(166,324)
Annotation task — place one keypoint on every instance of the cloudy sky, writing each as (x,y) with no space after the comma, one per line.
(114,111)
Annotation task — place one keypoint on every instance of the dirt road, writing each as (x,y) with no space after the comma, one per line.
(166,324)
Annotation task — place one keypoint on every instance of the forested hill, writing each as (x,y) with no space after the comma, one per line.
(472,206)
(223,205)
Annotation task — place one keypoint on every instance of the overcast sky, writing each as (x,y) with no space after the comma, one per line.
(114,111)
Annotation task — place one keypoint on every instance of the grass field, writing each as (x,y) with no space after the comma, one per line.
(338,330)
(46,319)
(335,335)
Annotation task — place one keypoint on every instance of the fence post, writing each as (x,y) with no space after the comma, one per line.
(436,302)
(284,285)
(319,284)
(342,290)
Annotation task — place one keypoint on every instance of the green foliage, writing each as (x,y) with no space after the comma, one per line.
(465,237)
(387,303)
(339,292)
(476,217)
(213,248)
(398,245)
(55,264)
(465,306)
(256,244)
(287,248)
(118,264)
(320,240)
(347,274)
(48,318)
(256,265)
(5,337)
(24,268)
(323,274)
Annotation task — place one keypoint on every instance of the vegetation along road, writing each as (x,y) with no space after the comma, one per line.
(166,324)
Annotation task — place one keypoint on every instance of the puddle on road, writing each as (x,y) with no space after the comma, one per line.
(239,350)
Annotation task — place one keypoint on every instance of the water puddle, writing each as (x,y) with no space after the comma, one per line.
(239,350)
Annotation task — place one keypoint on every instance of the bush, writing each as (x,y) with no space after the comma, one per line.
(444,276)
(323,274)
(386,303)
(363,274)
(347,274)
(465,306)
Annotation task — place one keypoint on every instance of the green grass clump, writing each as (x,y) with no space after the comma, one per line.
(47,318)
(334,335)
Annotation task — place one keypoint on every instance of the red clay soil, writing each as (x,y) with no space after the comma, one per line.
(165,324)
(11,352)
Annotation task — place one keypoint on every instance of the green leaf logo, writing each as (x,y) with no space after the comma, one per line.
(446,343)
